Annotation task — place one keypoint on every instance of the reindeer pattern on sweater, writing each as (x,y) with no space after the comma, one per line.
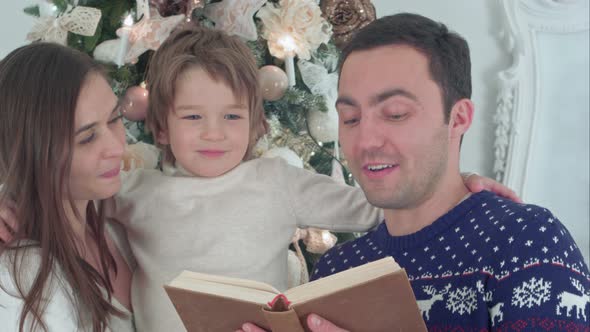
(488,264)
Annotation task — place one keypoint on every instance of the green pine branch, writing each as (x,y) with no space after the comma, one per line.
(32,10)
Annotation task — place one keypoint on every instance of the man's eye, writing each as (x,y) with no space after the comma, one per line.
(350,121)
(397,117)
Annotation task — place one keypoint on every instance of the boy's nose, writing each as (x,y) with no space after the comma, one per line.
(213,132)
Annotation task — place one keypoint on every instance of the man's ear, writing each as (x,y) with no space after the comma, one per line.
(162,137)
(460,118)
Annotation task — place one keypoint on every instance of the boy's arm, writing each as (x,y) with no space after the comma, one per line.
(319,201)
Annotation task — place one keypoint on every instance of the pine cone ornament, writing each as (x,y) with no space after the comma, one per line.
(346,17)
(170,7)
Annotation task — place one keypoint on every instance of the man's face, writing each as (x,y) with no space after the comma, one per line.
(392,127)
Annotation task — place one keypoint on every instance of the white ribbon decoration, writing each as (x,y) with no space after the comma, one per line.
(323,125)
(147,34)
(81,20)
(318,80)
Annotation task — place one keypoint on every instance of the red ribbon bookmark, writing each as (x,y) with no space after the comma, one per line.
(282,302)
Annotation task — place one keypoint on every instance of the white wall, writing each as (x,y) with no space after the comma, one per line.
(557,169)
(477,22)
(14,26)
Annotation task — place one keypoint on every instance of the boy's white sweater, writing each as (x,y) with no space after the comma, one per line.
(239,224)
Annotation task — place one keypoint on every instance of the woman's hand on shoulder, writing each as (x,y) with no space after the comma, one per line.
(476,183)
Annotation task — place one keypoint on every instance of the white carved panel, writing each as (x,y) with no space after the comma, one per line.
(541,146)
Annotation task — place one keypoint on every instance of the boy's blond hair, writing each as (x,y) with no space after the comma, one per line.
(222,57)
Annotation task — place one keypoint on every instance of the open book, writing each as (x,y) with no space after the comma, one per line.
(373,297)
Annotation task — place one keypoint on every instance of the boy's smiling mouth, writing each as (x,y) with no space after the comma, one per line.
(210,153)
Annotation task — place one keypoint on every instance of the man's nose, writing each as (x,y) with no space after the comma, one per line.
(370,134)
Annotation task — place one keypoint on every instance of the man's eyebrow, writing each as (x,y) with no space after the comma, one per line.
(346,101)
(381,97)
(378,98)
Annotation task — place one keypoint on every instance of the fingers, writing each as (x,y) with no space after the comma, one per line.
(7,216)
(476,183)
(249,327)
(504,191)
(319,324)
(314,322)
(5,234)
(7,223)
(473,182)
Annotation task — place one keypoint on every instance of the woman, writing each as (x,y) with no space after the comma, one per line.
(61,143)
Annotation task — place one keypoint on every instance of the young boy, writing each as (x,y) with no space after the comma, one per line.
(213,209)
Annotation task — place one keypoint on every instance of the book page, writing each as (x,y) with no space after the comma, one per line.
(245,283)
(342,280)
(235,291)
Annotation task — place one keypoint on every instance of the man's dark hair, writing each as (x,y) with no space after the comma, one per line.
(447,52)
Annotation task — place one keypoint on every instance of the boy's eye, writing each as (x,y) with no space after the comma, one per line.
(192,117)
(232,117)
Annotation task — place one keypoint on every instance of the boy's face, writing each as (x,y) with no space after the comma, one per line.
(208,129)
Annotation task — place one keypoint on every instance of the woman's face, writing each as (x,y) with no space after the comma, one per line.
(99,142)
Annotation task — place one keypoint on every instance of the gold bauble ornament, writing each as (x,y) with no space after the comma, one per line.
(273,82)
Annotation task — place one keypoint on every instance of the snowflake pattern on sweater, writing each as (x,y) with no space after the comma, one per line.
(488,264)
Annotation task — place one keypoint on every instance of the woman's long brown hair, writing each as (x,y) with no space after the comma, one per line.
(39,87)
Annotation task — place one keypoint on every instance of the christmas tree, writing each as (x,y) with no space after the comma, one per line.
(301,36)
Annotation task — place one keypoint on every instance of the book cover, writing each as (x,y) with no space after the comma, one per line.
(374,297)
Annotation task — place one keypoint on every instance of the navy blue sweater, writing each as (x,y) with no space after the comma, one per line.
(488,264)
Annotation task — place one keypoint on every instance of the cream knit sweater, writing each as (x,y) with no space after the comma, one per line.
(60,311)
(239,224)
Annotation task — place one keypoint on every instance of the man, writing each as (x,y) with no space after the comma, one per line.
(475,262)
